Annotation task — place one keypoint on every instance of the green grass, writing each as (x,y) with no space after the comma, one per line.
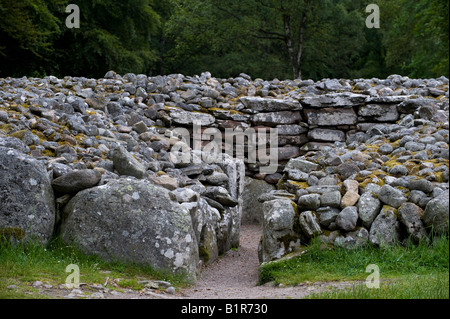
(432,286)
(21,266)
(339,264)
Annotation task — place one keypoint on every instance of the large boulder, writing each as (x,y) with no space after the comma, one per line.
(132,221)
(435,215)
(27,202)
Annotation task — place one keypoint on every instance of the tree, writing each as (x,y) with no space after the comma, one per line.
(113,35)
(416,37)
(313,35)
(27,31)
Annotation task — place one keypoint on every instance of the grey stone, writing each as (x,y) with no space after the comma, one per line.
(276,118)
(114,109)
(327,215)
(385,229)
(346,170)
(324,189)
(270,105)
(391,196)
(380,112)
(332,199)
(188,118)
(210,228)
(385,149)
(27,209)
(132,221)
(435,215)
(221,195)
(368,208)
(76,181)
(288,152)
(291,129)
(410,215)
(15,143)
(217,179)
(326,135)
(186,195)
(296,175)
(309,224)
(330,117)
(127,164)
(279,216)
(302,165)
(252,209)
(347,218)
(414,146)
(399,170)
(309,202)
(421,185)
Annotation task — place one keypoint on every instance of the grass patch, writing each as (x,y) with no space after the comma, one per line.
(339,264)
(432,286)
(22,265)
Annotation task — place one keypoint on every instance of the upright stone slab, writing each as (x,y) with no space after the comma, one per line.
(27,202)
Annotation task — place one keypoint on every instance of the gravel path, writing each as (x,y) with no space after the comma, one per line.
(235,276)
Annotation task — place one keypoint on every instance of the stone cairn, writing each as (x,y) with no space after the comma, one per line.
(358,161)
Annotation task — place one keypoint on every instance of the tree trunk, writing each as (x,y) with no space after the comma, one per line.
(295,56)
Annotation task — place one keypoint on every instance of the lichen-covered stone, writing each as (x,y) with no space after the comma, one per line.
(27,202)
(132,221)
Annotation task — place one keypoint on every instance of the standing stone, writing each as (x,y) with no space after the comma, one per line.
(385,229)
(27,203)
(410,215)
(435,215)
(252,212)
(368,208)
(279,215)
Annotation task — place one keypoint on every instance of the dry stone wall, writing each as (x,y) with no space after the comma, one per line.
(347,152)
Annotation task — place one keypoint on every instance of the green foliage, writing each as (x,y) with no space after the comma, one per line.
(320,264)
(20,265)
(264,38)
(27,31)
(416,37)
(113,35)
(429,286)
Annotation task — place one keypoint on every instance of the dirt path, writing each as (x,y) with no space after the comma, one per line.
(235,275)
(232,276)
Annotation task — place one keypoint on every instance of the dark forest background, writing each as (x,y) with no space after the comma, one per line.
(282,39)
